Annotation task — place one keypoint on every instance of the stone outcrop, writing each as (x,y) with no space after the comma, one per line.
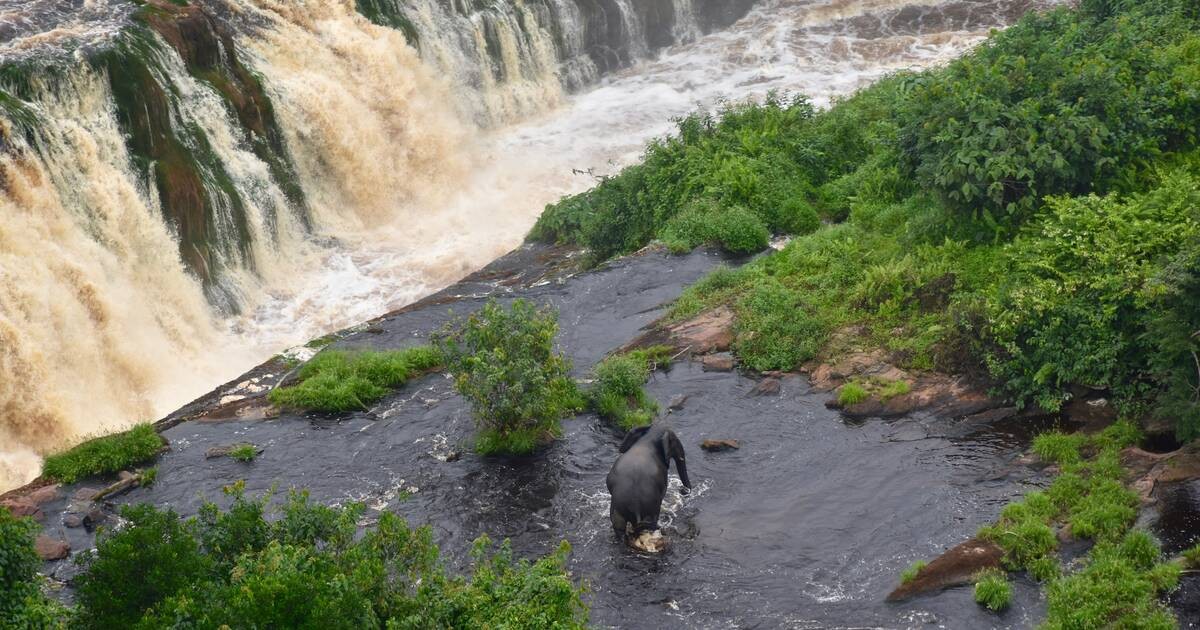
(50,548)
(955,567)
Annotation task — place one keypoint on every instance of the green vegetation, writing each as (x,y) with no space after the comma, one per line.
(851,394)
(993,590)
(618,395)
(1118,588)
(504,362)
(149,477)
(1123,575)
(22,602)
(244,453)
(336,380)
(1028,213)
(911,572)
(305,567)
(104,455)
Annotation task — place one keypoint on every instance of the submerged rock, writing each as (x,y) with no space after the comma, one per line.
(955,567)
(720,445)
(767,387)
(718,362)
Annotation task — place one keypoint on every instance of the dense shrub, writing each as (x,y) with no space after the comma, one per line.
(104,455)
(1063,102)
(504,362)
(307,567)
(335,380)
(764,161)
(1076,305)
(22,604)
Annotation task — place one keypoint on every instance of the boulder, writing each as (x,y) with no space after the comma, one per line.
(43,495)
(85,494)
(718,362)
(720,445)
(22,506)
(767,387)
(51,549)
(955,567)
(711,331)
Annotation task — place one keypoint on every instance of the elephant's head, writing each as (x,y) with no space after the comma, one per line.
(666,446)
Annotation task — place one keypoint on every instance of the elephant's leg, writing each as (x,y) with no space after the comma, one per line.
(649,520)
(619,523)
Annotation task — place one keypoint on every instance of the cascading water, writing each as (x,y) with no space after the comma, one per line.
(192,189)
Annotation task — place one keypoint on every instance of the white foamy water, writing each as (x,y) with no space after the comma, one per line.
(104,327)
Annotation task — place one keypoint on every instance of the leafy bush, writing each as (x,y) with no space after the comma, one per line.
(1074,308)
(504,362)
(762,159)
(993,591)
(1062,102)
(134,568)
(618,394)
(335,381)
(104,455)
(308,567)
(22,604)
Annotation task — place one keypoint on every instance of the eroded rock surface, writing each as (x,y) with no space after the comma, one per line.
(955,567)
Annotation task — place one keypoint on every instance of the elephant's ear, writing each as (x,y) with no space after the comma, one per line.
(632,437)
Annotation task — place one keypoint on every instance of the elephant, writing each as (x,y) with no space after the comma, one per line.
(638,479)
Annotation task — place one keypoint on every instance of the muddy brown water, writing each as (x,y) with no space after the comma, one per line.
(807,525)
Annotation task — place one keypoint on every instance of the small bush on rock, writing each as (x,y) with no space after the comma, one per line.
(504,363)
(618,395)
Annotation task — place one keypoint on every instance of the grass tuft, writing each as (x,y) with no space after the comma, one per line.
(993,591)
(104,455)
(244,452)
(851,394)
(335,381)
(1059,448)
(911,572)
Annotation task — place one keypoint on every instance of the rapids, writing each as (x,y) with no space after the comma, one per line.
(417,163)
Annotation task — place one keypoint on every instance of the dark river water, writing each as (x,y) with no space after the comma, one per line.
(806,526)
